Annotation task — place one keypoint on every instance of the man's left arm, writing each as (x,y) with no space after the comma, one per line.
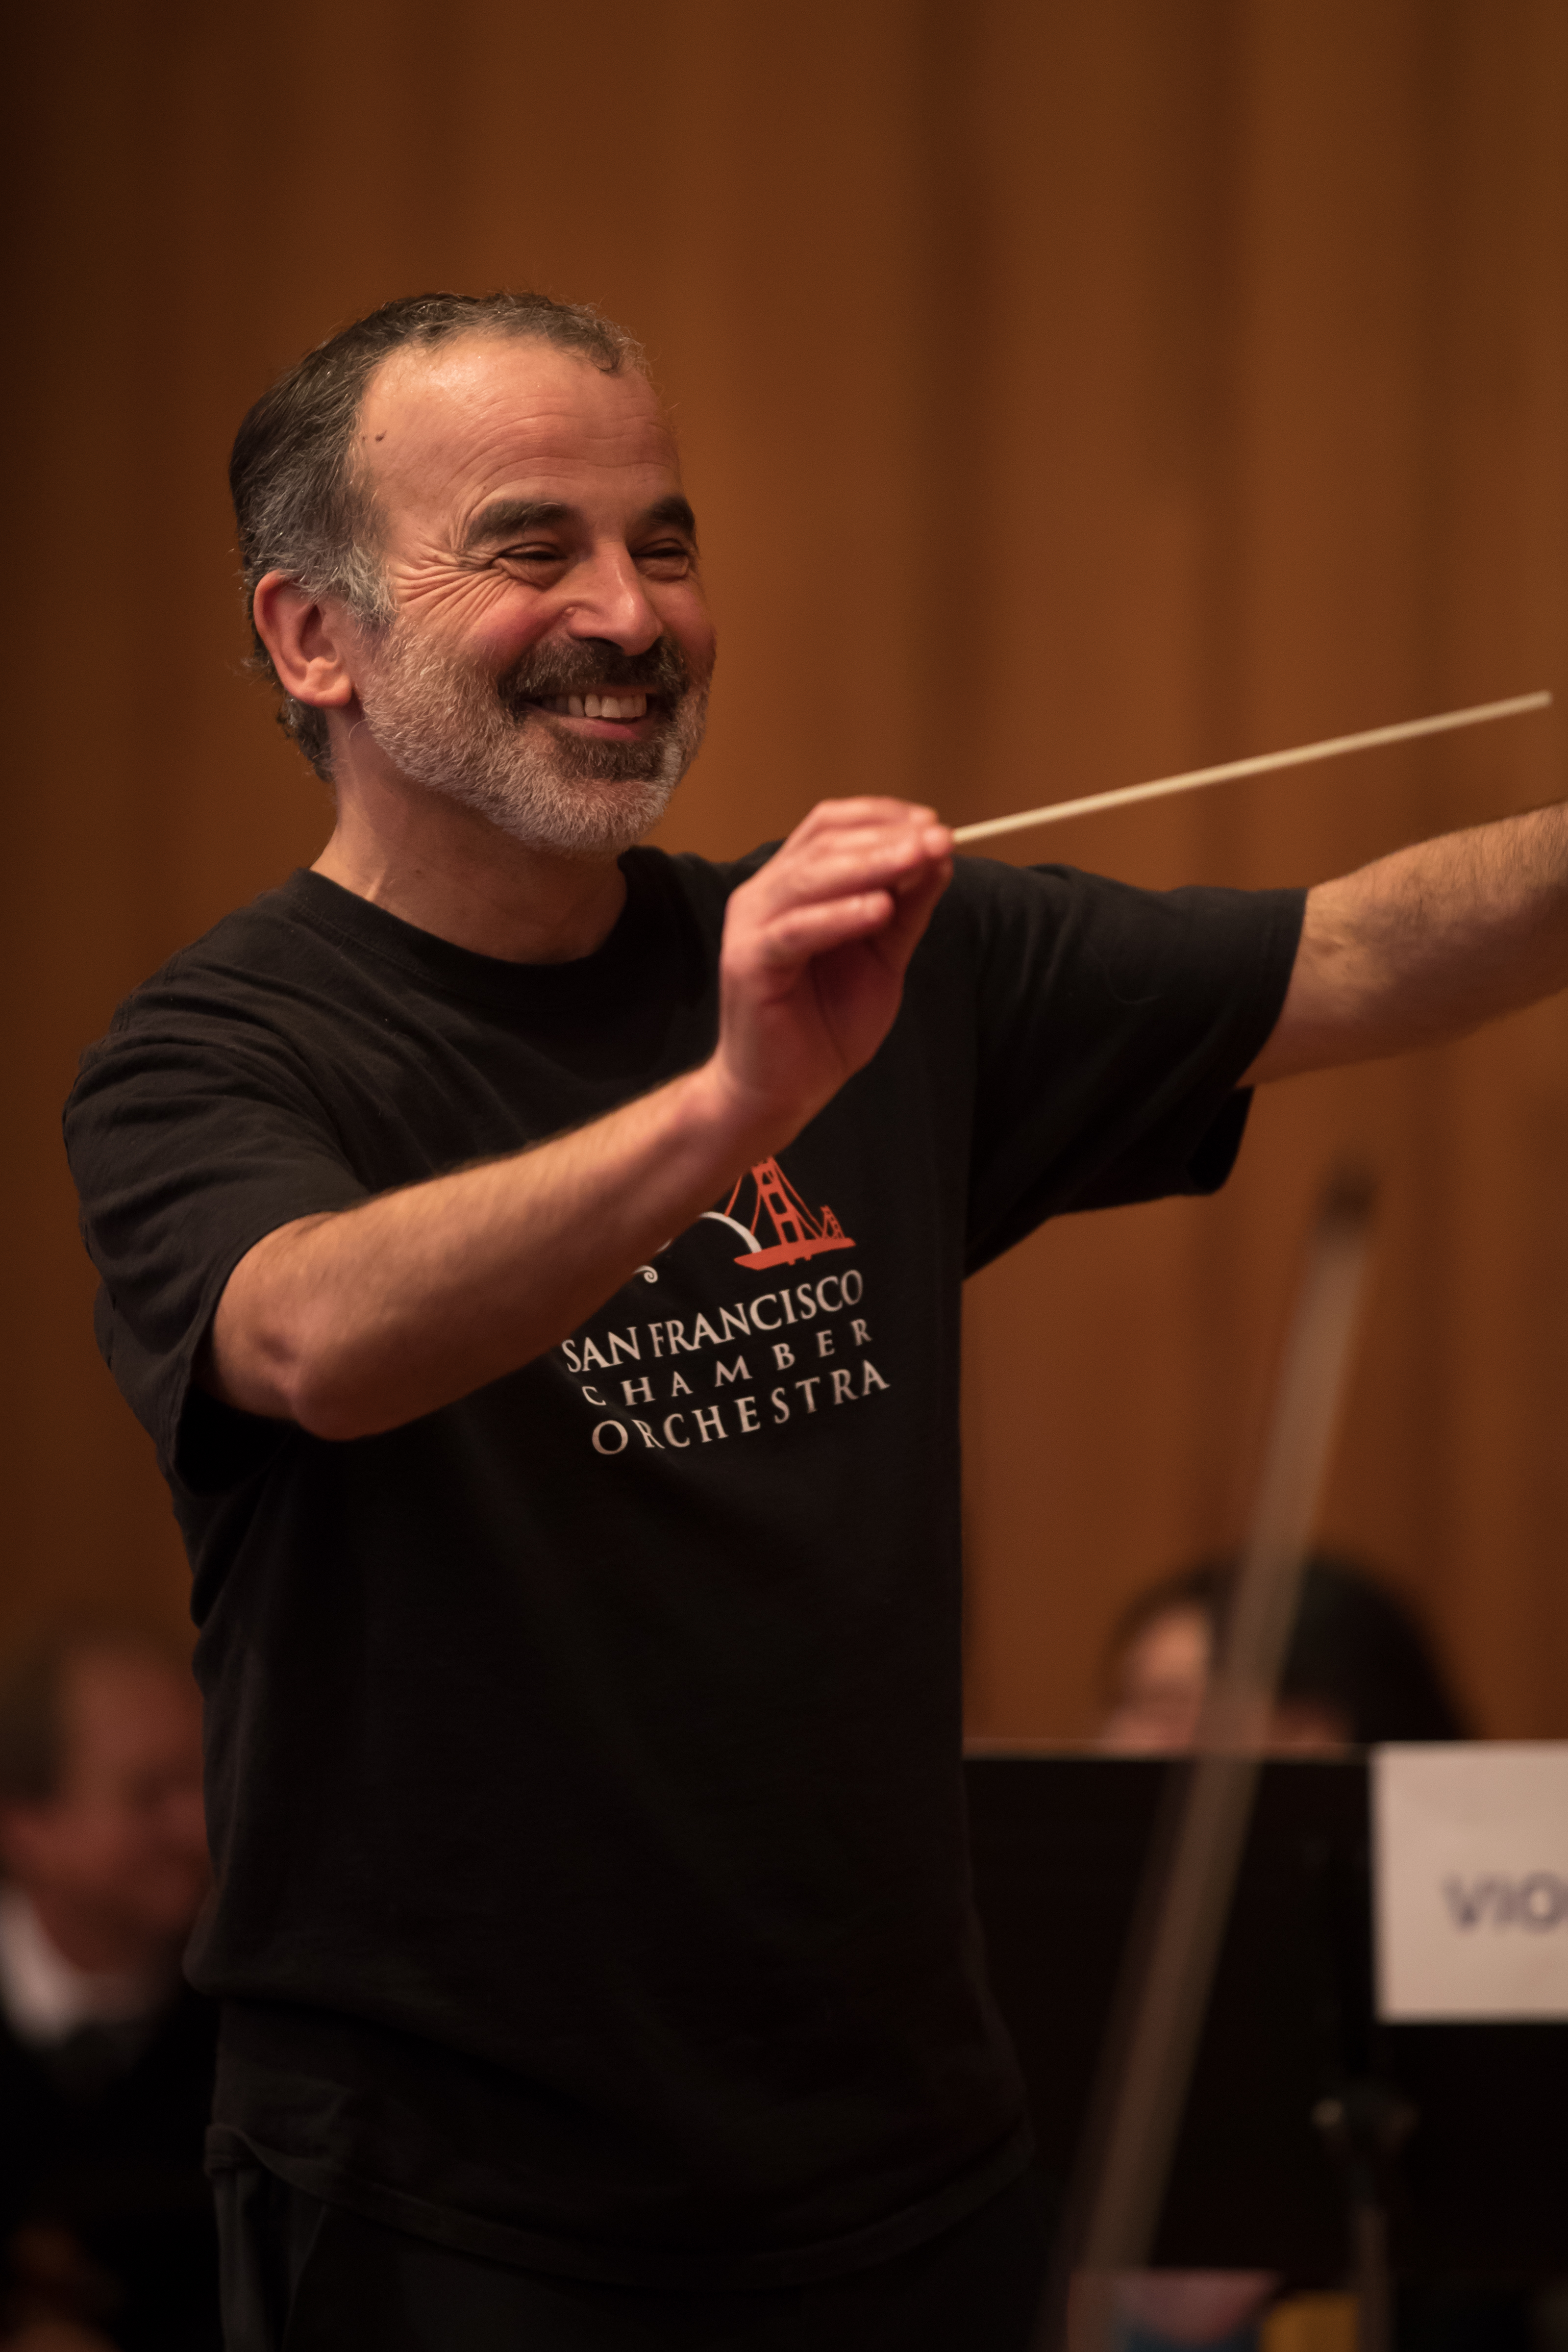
(1425,944)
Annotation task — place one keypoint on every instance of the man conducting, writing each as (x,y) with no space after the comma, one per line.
(538,1260)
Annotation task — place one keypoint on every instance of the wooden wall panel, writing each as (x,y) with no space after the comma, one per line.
(1070,392)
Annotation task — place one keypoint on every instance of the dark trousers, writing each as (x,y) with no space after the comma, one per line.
(302,2277)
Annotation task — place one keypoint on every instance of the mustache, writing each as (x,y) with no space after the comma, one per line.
(589,666)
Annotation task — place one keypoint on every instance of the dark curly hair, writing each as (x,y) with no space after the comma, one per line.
(1355,1647)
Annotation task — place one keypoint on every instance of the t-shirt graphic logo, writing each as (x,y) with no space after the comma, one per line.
(797,1233)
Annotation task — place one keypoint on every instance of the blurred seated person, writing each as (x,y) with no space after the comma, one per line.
(107,2237)
(1359,1667)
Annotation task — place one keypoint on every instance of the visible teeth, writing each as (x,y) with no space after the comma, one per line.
(598,706)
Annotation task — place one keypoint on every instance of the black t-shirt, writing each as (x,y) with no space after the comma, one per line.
(583,1758)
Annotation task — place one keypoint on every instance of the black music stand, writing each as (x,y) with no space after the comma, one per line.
(1480,2187)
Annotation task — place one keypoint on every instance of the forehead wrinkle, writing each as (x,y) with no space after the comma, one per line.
(461,422)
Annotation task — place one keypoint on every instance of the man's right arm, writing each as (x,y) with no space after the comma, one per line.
(356,1322)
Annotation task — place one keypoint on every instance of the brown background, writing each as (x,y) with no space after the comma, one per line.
(1071,393)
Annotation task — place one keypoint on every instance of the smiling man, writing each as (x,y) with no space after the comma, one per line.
(538,1260)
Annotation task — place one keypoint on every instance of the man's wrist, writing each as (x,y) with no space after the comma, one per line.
(725,1122)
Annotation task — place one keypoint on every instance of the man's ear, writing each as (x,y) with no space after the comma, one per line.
(312,644)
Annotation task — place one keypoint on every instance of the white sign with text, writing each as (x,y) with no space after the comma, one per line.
(1470,1881)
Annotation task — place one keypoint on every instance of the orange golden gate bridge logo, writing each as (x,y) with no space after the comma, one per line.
(764,1197)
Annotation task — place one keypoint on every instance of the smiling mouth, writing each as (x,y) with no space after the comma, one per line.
(623,706)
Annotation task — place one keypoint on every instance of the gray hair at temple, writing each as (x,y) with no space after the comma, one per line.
(301,503)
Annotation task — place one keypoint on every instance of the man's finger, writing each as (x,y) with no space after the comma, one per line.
(835,863)
(867,808)
(798,933)
(912,912)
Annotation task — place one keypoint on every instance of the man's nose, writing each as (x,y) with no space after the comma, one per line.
(605,597)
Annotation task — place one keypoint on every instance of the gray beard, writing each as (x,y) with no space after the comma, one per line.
(468,735)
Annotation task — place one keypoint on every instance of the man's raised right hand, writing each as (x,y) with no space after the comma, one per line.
(815,950)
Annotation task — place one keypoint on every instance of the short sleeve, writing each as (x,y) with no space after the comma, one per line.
(1112,1025)
(191,1133)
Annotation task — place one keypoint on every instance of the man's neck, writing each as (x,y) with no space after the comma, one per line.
(447,870)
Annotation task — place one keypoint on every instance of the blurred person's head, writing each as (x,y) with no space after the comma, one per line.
(464,535)
(100,1793)
(1359,1667)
